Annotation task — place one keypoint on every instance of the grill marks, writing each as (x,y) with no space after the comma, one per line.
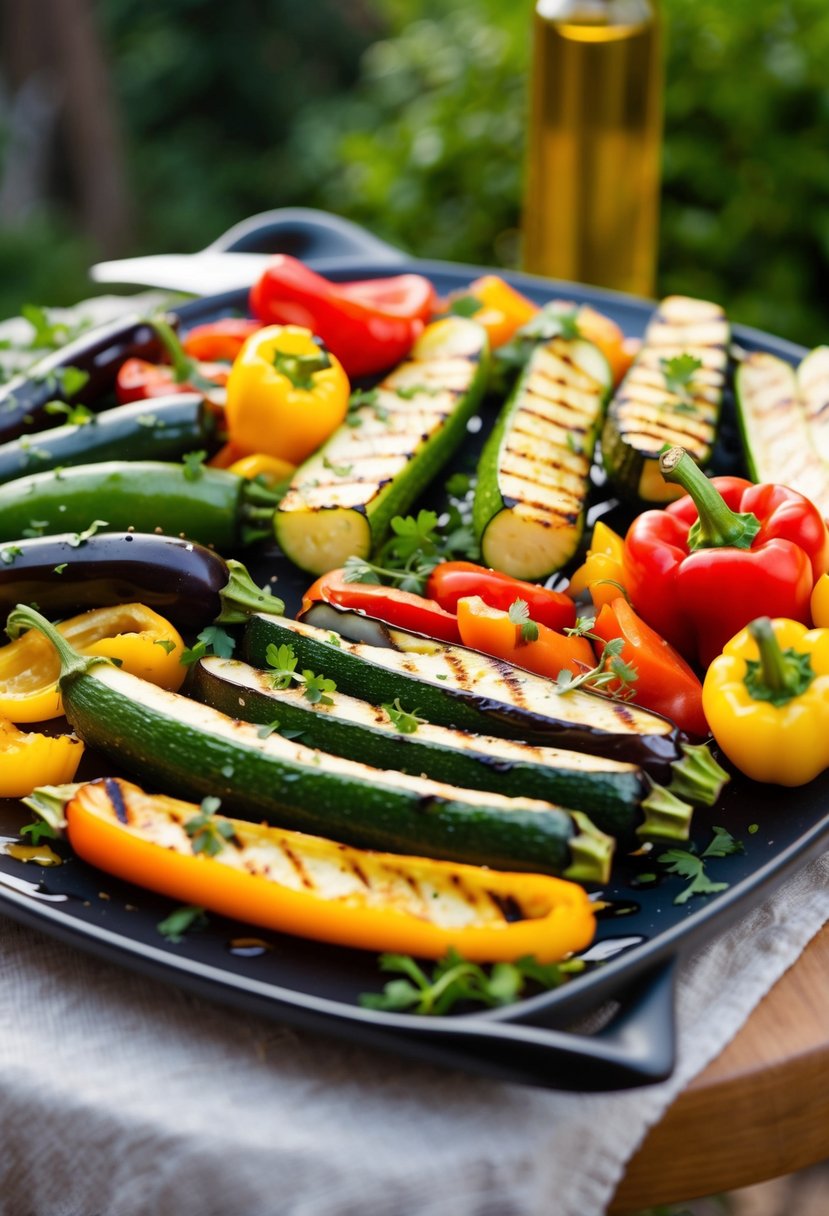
(644,411)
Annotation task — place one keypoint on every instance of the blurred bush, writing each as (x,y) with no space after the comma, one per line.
(408,116)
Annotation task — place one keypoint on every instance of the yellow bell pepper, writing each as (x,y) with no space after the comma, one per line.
(139,639)
(820,602)
(766,698)
(30,760)
(602,571)
(285,394)
(271,469)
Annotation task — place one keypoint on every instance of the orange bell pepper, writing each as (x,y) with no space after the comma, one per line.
(328,892)
(28,760)
(503,309)
(140,640)
(664,681)
(602,571)
(606,334)
(496,633)
(270,469)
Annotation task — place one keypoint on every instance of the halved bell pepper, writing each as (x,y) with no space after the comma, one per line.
(314,888)
(140,640)
(450,582)
(137,379)
(502,310)
(270,469)
(664,681)
(766,698)
(494,632)
(219,341)
(285,394)
(602,571)
(389,604)
(28,760)
(370,326)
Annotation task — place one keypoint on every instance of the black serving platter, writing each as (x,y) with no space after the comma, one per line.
(643,933)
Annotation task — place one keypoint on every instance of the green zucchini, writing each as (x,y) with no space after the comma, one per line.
(162,429)
(776,436)
(813,388)
(453,686)
(190,749)
(341,501)
(534,473)
(618,797)
(646,414)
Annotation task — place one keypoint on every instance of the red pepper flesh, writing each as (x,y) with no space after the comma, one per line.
(401,608)
(369,326)
(453,581)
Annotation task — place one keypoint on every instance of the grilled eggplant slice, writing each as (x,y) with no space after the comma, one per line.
(341,501)
(533,476)
(647,412)
(454,686)
(777,437)
(618,797)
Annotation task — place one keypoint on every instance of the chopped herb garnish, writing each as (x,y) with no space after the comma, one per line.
(193,463)
(454,979)
(37,527)
(10,552)
(407,723)
(212,640)
(753,829)
(610,670)
(49,334)
(317,688)
(39,831)
(75,415)
(60,569)
(166,644)
(181,921)
(147,420)
(79,537)
(282,660)
(465,306)
(339,470)
(409,391)
(679,373)
(692,866)
(208,834)
(519,614)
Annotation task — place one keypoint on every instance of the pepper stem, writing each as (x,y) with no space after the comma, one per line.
(183,366)
(717,525)
(300,369)
(780,675)
(49,803)
(591,851)
(23,617)
(697,776)
(240,597)
(666,816)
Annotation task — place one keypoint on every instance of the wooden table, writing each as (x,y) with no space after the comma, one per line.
(760,1110)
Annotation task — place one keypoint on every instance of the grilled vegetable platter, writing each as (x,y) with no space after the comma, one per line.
(405,708)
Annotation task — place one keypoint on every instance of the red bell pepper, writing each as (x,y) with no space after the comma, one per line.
(664,681)
(453,581)
(729,551)
(369,325)
(137,379)
(401,608)
(219,340)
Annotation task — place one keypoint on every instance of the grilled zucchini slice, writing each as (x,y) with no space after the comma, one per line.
(340,502)
(813,388)
(778,441)
(646,414)
(533,476)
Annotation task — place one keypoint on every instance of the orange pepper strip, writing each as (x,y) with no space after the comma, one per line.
(144,643)
(491,631)
(226,456)
(606,334)
(328,891)
(602,571)
(28,760)
(504,310)
(665,683)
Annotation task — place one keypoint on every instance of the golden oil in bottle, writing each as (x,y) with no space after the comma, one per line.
(591,208)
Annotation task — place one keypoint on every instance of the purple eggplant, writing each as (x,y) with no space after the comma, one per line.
(187,583)
(99,353)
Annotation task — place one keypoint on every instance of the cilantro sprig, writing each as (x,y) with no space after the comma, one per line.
(679,372)
(212,640)
(455,980)
(404,721)
(519,614)
(208,834)
(691,865)
(611,675)
(282,661)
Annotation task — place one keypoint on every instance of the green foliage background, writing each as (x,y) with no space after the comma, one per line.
(408,116)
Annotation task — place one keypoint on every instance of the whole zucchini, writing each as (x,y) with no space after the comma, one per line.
(341,501)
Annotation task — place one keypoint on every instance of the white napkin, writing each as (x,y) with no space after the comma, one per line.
(120,1096)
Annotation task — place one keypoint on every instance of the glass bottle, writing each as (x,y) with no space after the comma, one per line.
(591,208)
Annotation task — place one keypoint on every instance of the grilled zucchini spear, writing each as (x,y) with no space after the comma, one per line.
(341,501)
(778,440)
(533,475)
(671,396)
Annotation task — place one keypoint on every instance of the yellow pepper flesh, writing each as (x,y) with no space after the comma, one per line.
(144,643)
(602,571)
(285,394)
(786,743)
(28,760)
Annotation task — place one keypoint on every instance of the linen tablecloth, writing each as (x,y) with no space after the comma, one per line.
(120,1096)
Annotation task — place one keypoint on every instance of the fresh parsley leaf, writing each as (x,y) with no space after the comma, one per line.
(75,415)
(8,554)
(193,463)
(358,570)
(519,614)
(282,661)
(208,834)
(408,392)
(39,831)
(611,675)
(679,373)
(192,654)
(455,980)
(459,485)
(317,688)
(465,306)
(690,865)
(267,728)
(180,921)
(407,723)
(49,334)
(212,640)
(339,470)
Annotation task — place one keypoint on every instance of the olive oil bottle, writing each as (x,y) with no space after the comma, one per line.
(591,208)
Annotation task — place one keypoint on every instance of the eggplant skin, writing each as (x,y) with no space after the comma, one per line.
(178,578)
